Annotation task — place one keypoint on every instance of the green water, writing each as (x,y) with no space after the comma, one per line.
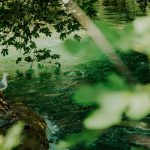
(52,97)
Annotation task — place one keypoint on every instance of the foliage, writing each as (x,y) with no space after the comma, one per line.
(19,74)
(97,70)
(116,97)
(143,4)
(29,73)
(23,21)
(44,71)
(12,138)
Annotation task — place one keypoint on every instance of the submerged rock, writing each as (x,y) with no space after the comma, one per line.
(34,136)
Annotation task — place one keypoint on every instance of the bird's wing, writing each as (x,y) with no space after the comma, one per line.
(1,85)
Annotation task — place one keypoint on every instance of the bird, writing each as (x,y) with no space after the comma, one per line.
(3,83)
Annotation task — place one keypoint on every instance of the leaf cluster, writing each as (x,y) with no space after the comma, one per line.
(25,20)
(116,98)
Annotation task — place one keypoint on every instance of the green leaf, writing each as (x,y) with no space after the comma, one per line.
(72,140)
(72,46)
(86,95)
(28,59)
(77,37)
(126,38)
(110,33)
(136,36)
(139,106)
(18,60)
(4,51)
(12,138)
(117,83)
(112,105)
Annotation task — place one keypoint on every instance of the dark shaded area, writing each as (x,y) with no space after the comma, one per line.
(98,70)
(138,63)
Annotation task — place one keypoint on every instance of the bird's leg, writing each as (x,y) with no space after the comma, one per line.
(1,95)
(2,102)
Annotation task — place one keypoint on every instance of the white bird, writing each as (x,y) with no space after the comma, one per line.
(3,83)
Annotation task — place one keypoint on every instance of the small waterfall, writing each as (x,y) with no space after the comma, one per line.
(51,131)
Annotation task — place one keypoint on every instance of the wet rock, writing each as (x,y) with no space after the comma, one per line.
(7,116)
(34,136)
(35,128)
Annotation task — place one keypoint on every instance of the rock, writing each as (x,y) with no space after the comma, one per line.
(7,116)
(34,131)
(34,135)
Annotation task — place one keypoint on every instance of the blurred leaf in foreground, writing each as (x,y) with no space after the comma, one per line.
(110,33)
(72,140)
(114,99)
(72,46)
(139,105)
(111,107)
(86,46)
(12,138)
(136,36)
(86,95)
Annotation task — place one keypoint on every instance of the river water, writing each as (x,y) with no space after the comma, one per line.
(51,97)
